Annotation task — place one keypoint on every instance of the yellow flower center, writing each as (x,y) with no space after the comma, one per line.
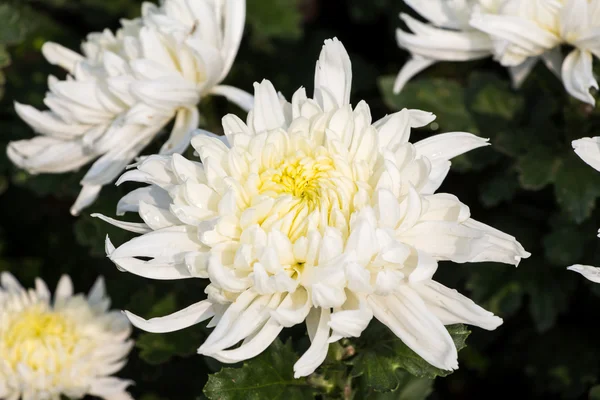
(301,176)
(38,338)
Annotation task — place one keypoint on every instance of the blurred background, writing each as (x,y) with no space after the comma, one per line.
(529,183)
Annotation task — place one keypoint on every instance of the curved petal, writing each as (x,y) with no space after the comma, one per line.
(317,321)
(589,150)
(452,307)
(591,273)
(239,97)
(182,319)
(408,317)
(578,76)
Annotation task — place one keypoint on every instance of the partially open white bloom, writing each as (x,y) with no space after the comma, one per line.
(128,86)
(517,32)
(589,151)
(67,346)
(309,212)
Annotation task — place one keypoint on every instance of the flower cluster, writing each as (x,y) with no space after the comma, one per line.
(309,212)
(127,86)
(518,33)
(68,346)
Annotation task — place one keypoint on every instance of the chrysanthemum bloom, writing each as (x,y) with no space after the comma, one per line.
(128,86)
(309,212)
(67,346)
(589,151)
(448,36)
(521,32)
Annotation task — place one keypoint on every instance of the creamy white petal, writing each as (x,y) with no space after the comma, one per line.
(589,150)
(316,353)
(591,273)
(452,307)
(182,319)
(333,75)
(408,317)
(578,76)
(237,96)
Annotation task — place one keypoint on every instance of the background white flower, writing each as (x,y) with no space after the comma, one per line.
(128,86)
(447,37)
(309,212)
(517,32)
(589,151)
(66,346)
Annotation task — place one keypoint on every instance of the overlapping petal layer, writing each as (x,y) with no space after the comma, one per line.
(310,212)
(69,345)
(126,87)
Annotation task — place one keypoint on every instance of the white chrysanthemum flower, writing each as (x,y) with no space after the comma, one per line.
(589,151)
(69,346)
(517,32)
(127,87)
(448,36)
(309,212)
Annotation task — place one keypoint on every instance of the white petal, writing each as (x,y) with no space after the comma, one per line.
(267,113)
(239,97)
(452,307)
(411,68)
(10,283)
(61,56)
(87,195)
(235,18)
(166,244)
(128,226)
(333,75)
(591,273)
(408,317)
(152,195)
(316,353)
(186,121)
(252,346)
(578,76)
(446,146)
(64,289)
(589,150)
(182,319)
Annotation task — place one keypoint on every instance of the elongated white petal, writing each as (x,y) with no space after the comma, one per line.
(452,307)
(316,353)
(252,347)
(185,318)
(591,273)
(237,96)
(408,317)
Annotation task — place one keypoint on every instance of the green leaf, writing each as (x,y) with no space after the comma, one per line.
(273,19)
(565,244)
(410,388)
(549,292)
(383,354)
(537,168)
(489,95)
(158,348)
(577,186)
(500,188)
(443,97)
(268,376)
(13,26)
